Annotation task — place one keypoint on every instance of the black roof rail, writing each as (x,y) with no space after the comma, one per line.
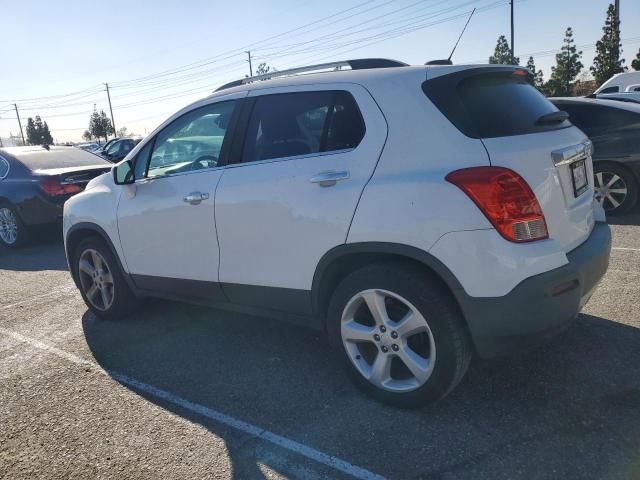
(356,64)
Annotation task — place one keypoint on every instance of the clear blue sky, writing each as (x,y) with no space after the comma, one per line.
(152,53)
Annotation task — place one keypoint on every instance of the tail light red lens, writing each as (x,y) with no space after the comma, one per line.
(51,186)
(506,200)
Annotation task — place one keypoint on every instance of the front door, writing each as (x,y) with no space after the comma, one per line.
(166,218)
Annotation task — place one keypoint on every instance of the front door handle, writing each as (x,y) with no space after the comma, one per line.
(328,179)
(195,198)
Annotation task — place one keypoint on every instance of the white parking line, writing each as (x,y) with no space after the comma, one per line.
(626,248)
(240,425)
(53,293)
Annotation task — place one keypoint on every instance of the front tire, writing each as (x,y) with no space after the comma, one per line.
(399,334)
(616,187)
(101,282)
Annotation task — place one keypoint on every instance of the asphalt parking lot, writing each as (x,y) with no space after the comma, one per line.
(181,391)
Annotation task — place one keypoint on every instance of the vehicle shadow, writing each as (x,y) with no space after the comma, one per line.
(629,218)
(45,251)
(567,410)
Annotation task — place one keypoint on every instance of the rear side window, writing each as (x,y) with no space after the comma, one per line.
(302,123)
(610,90)
(489,104)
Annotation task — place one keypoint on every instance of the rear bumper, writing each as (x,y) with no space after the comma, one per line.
(540,306)
(39,211)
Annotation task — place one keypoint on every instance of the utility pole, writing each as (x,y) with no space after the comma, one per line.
(617,8)
(113,122)
(250,68)
(19,123)
(512,46)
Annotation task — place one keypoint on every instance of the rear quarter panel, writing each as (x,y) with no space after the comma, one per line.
(407,200)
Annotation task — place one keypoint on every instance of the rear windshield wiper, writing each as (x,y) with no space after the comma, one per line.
(553,117)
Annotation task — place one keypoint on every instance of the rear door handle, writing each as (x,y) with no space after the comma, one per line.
(195,198)
(328,179)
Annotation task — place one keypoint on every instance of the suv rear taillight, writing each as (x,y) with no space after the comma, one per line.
(52,187)
(506,200)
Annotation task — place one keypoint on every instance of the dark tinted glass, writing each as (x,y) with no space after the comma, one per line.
(486,105)
(589,117)
(302,123)
(610,90)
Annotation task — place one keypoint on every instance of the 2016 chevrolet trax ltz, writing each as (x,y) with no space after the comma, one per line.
(417,214)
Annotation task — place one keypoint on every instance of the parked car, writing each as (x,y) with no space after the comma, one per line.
(89,147)
(393,208)
(632,97)
(102,148)
(114,151)
(621,82)
(614,129)
(34,184)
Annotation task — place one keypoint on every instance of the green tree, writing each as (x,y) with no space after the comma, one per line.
(38,132)
(47,139)
(635,64)
(263,68)
(100,125)
(87,135)
(502,53)
(32,134)
(567,68)
(607,61)
(538,81)
(122,132)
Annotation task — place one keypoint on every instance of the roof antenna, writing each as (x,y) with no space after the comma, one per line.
(448,60)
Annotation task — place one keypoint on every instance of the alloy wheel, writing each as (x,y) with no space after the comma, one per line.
(610,190)
(388,340)
(8,226)
(96,279)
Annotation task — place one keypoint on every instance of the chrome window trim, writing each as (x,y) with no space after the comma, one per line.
(293,157)
(2,159)
(171,175)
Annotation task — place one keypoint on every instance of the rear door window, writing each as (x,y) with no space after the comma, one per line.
(302,123)
(490,104)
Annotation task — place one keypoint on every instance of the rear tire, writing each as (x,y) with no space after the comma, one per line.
(616,188)
(415,350)
(101,282)
(13,232)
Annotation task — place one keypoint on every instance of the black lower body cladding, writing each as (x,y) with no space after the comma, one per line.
(540,306)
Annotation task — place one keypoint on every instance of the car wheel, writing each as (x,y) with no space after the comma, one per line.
(13,232)
(615,187)
(399,334)
(101,282)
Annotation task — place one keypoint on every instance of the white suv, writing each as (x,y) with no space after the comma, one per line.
(418,214)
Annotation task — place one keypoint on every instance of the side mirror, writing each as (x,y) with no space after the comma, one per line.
(123,173)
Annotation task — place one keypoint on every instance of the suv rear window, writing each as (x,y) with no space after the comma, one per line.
(485,104)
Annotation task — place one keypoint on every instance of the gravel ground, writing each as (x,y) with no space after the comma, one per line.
(144,398)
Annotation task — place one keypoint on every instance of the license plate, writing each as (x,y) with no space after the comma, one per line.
(579,178)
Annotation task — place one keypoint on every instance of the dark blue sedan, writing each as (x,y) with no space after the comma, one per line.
(34,184)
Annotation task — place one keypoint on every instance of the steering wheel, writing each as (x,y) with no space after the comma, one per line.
(205,161)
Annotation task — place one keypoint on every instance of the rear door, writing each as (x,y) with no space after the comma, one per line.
(522,130)
(306,156)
